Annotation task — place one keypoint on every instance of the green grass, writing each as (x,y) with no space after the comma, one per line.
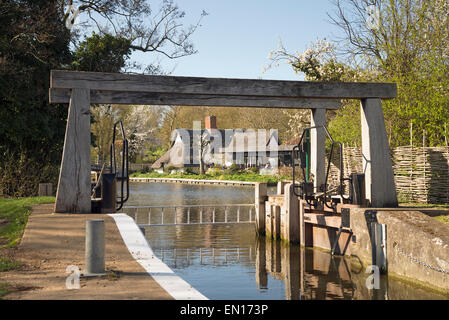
(444,219)
(243,176)
(3,289)
(423,205)
(14,214)
(7,264)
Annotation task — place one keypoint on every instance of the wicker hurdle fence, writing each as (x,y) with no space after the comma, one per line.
(421,173)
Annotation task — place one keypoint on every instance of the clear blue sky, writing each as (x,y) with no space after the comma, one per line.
(236,37)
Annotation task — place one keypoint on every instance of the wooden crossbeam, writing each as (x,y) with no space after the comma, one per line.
(220,86)
(152,98)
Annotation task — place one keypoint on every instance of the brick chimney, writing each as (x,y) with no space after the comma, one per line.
(210,122)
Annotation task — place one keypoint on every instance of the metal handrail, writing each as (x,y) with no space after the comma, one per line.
(125,164)
(342,179)
(97,185)
(201,211)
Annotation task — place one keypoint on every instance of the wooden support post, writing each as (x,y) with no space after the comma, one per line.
(277,256)
(260,198)
(302,224)
(280,187)
(318,148)
(290,223)
(292,261)
(261,271)
(73,193)
(379,180)
(276,222)
(269,220)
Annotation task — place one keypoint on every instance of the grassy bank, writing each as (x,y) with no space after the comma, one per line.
(240,176)
(443,217)
(14,214)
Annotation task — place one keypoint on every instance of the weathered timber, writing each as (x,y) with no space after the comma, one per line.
(379,179)
(290,224)
(318,148)
(260,196)
(220,86)
(73,193)
(154,98)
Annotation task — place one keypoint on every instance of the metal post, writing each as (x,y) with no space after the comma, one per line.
(95,247)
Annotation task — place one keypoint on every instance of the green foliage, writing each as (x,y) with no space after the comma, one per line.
(254,169)
(444,219)
(233,169)
(154,153)
(190,171)
(345,126)
(7,264)
(33,40)
(224,175)
(3,289)
(102,53)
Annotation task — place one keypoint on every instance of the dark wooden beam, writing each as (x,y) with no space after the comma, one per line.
(220,86)
(151,98)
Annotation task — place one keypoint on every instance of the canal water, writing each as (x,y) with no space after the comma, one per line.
(228,261)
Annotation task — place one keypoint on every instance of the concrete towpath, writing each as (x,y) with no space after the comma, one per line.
(51,242)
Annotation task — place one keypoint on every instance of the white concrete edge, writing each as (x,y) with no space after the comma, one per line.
(141,251)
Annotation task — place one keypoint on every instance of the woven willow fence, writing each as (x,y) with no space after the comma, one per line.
(421,173)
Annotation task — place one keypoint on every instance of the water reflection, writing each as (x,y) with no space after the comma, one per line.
(229,262)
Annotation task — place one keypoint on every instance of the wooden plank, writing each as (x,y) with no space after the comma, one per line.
(380,189)
(220,86)
(152,98)
(290,226)
(73,193)
(322,220)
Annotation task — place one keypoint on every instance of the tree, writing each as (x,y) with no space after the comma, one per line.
(158,31)
(203,141)
(409,46)
(101,53)
(320,62)
(33,40)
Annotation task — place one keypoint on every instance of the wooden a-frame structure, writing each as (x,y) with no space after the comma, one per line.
(80,89)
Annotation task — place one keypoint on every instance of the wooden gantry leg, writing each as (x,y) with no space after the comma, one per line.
(73,193)
(380,188)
